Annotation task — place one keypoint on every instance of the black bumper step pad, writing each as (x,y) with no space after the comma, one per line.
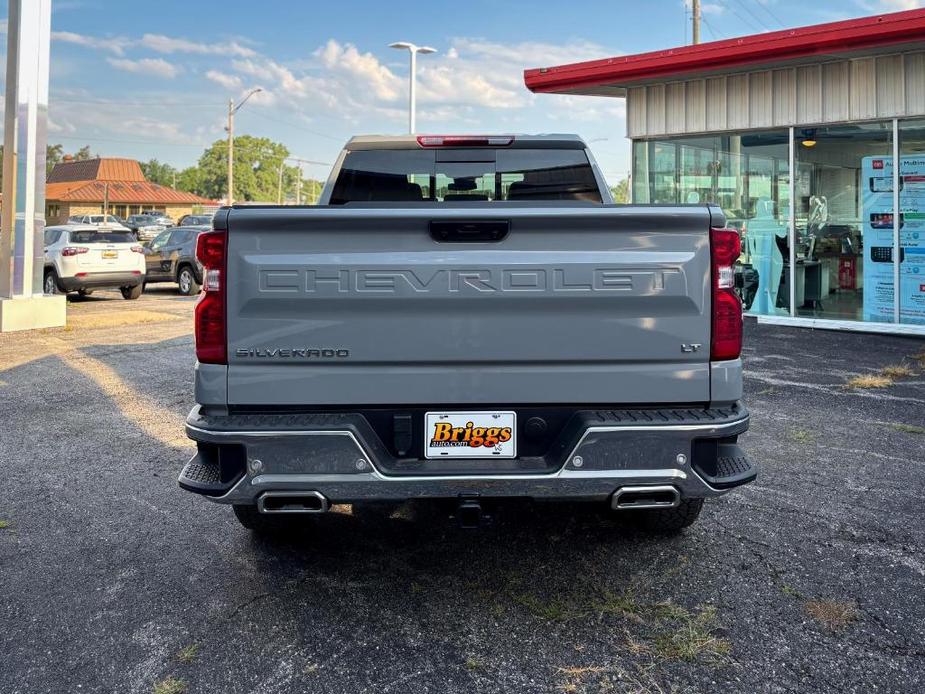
(730,467)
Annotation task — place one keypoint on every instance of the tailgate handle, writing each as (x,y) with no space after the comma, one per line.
(462,231)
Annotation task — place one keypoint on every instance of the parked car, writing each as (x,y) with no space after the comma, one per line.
(516,336)
(160,218)
(144,226)
(171,257)
(196,220)
(81,258)
(103,222)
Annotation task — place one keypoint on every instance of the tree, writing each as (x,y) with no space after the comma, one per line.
(190,180)
(53,155)
(83,153)
(621,191)
(256,169)
(161,173)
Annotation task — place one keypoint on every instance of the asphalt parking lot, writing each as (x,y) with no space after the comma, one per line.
(114,580)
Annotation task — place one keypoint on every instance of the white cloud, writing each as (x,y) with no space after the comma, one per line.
(232,82)
(158,67)
(706,7)
(114,44)
(169,44)
(892,5)
(365,67)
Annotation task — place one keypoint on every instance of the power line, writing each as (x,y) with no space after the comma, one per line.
(742,18)
(764,4)
(715,34)
(758,19)
(298,127)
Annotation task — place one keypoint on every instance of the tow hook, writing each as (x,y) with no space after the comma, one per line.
(469,514)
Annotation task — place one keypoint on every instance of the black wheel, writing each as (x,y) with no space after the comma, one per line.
(84,292)
(50,283)
(186,280)
(670,520)
(266,524)
(131,292)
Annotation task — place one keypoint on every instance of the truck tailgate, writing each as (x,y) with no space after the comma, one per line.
(337,306)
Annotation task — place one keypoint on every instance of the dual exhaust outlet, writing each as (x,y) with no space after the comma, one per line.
(293,502)
(470,510)
(634,498)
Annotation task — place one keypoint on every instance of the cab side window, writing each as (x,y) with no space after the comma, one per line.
(160,241)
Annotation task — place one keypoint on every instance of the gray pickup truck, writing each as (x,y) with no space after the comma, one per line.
(467,320)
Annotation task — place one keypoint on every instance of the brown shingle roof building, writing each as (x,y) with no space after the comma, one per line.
(84,187)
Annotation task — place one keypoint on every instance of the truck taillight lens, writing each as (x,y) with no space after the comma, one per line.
(74,250)
(726,342)
(211,335)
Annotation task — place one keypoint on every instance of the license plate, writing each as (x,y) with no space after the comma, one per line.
(110,254)
(470,435)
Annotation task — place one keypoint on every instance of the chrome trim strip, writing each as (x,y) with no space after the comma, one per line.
(324,504)
(675,500)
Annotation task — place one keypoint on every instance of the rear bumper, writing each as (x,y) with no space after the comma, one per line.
(337,455)
(96,280)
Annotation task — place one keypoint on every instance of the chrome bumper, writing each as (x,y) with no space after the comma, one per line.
(333,455)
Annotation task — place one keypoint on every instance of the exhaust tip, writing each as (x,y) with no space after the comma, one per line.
(627,498)
(293,502)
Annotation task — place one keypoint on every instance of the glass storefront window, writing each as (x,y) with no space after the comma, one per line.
(844,222)
(912,221)
(748,176)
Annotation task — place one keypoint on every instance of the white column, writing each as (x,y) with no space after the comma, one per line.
(792,226)
(411,90)
(22,231)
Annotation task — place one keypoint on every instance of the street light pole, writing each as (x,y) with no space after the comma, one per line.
(412,78)
(232,109)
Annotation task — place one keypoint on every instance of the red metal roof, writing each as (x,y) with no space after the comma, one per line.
(97,169)
(132,192)
(775,47)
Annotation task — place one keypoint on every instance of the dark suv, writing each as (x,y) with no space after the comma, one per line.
(171,257)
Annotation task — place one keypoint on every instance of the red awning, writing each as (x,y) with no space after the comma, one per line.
(803,44)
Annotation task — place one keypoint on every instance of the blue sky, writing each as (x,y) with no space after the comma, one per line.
(152,79)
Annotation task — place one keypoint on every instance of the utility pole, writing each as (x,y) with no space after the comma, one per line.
(230,199)
(695,21)
(279,184)
(298,187)
(232,109)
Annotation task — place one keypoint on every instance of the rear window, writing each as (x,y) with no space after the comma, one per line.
(101,237)
(506,174)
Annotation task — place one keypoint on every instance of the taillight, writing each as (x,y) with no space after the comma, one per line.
(74,250)
(726,342)
(465,140)
(137,249)
(211,337)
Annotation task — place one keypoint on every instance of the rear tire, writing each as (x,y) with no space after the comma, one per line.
(668,521)
(266,524)
(50,283)
(186,281)
(131,292)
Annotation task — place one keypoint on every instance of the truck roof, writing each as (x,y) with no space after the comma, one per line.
(542,141)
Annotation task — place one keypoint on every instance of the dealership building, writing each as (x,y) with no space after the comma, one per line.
(796,134)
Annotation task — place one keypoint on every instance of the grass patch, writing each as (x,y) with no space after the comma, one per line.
(832,613)
(554,610)
(920,358)
(4,524)
(575,677)
(171,685)
(473,664)
(897,371)
(802,436)
(869,381)
(907,428)
(694,639)
(188,654)
(791,592)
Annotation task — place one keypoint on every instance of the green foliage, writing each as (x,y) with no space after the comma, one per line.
(621,191)
(158,172)
(257,161)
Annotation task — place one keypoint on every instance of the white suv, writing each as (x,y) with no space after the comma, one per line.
(99,221)
(82,258)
